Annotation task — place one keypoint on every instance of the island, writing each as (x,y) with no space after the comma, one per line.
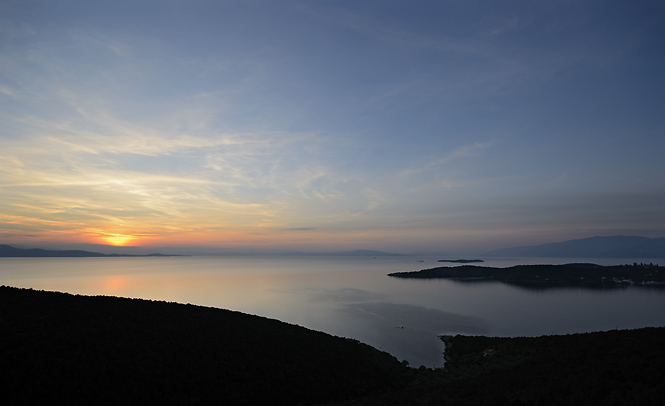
(544,276)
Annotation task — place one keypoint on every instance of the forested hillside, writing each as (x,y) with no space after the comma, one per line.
(59,347)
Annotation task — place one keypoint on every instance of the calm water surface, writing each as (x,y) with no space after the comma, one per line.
(352,296)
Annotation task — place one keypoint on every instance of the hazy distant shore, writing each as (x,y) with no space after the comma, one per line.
(7,251)
(461,261)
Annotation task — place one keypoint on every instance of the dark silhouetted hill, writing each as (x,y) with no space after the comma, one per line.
(620,367)
(57,347)
(550,276)
(594,247)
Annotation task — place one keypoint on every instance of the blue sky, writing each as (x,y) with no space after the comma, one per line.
(325,125)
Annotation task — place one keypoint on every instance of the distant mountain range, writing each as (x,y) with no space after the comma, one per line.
(9,251)
(355,253)
(594,247)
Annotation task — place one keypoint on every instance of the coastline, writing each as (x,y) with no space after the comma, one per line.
(585,275)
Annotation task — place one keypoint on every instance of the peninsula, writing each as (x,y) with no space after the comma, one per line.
(544,276)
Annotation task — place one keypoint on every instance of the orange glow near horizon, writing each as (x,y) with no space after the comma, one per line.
(118,239)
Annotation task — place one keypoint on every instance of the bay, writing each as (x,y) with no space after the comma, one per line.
(353,296)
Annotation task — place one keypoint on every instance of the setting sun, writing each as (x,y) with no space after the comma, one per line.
(118,239)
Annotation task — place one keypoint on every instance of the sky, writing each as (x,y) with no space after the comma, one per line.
(331,125)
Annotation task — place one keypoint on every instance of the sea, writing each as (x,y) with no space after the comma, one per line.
(352,296)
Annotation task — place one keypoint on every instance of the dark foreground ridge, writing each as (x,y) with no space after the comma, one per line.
(546,276)
(57,347)
(106,350)
(620,367)
(7,251)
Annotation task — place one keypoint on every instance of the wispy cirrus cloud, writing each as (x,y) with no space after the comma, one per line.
(167,181)
(461,153)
